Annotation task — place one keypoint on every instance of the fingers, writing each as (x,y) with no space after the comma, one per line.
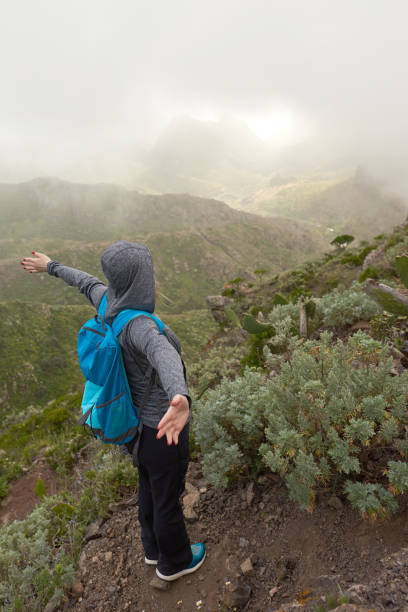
(164,422)
(36,264)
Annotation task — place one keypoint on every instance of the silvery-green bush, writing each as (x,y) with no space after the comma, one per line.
(335,412)
(229,426)
(335,309)
(334,418)
(30,574)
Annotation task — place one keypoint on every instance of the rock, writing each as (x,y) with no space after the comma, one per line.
(360,325)
(83,559)
(217,301)
(190,488)
(247,567)
(190,514)
(243,542)
(160,585)
(250,494)
(77,589)
(93,530)
(375,257)
(217,304)
(51,606)
(237,594)
(335,502)
(232,566)
(108,556)
(357,593)
(284,567)
(190,500)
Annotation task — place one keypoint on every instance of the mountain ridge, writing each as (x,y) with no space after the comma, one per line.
(196,243)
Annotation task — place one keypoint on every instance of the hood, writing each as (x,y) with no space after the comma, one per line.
(128,266)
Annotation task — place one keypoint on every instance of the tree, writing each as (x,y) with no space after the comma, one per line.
(342,241)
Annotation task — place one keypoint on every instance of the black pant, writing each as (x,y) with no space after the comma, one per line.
(162,475)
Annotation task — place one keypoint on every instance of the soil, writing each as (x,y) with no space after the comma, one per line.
(291,559)
(22,498)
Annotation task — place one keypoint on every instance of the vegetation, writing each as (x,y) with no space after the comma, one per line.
(196,243)
(52,431)
(39,555)
(333,418)
(340,203)
(324,410)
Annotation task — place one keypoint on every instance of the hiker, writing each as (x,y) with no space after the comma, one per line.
(164,445)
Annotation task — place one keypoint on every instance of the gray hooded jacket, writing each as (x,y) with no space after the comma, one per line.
(128,266)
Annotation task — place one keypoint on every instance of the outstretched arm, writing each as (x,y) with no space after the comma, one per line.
(90,286)
(174,420)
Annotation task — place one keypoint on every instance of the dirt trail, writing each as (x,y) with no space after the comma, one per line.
(257,538)
(262,552)
(22,499)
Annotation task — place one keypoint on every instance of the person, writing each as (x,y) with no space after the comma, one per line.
(164,444)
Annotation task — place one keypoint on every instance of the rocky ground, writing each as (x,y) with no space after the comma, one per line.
(264,554)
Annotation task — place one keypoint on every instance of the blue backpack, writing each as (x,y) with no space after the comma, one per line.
(107,406)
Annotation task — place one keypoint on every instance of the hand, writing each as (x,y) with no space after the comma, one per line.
(36,264)
(174,419)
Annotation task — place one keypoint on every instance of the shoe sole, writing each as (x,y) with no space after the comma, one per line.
(189,570)
(150,561)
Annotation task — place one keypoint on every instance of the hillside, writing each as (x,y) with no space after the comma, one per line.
(38,360)
(196,243)
(354,205)
(323,402)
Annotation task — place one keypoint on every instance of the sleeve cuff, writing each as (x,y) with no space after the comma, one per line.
(51,267)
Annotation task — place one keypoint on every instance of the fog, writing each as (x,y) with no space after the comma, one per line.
(89,88)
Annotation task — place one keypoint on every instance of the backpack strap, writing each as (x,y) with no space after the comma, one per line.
(102,305)
(125,316)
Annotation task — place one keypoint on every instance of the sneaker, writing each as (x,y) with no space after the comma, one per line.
(198,551)
(150,561)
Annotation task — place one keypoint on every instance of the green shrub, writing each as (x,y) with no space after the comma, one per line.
(333,417)
(332,408)
(369,273)
(282,311)
(229,427)
(335,309)
(357,259)
(338,309)
(389,327)
(30,573)
(221,361)
(255,357)
(38,556)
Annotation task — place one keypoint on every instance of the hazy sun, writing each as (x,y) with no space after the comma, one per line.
(278,126)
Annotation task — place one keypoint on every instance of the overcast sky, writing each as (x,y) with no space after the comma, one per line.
(89,79)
